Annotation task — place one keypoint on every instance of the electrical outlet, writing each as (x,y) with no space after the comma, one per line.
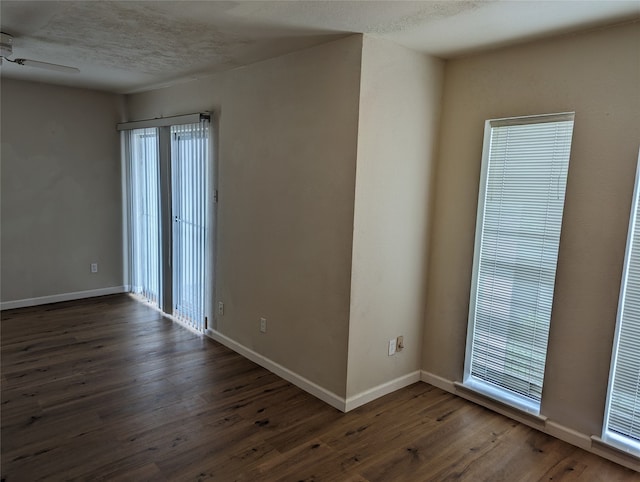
(94,267)
(220,308)
(263,325)
(392,346)
(400,343)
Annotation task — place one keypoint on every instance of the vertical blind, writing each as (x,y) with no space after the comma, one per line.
(622,420)
(524,173)
(144,179)
(189,180)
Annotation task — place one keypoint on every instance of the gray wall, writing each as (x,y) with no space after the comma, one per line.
(597,75)
(61,194)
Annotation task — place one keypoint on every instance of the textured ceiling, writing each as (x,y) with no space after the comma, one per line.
(130,46)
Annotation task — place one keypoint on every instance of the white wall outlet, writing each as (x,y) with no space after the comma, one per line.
(94,267)
(392,347)
(400,343)
(220,308)
(263,325)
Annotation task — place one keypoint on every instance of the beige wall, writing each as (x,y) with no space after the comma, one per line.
(287,153)
(399,108)
(597,75)
(61,193)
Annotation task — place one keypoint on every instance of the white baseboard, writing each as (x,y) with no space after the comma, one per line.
(323,394)
(298,380)
(567,434)
(436,381)
(76,295)
(384,389)
(548,426)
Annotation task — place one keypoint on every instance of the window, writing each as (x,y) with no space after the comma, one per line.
(622,415)
(522,188)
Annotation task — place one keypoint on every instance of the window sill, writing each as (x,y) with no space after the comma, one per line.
(477,395)
(619,449)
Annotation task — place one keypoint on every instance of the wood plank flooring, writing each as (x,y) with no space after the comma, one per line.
(107,389)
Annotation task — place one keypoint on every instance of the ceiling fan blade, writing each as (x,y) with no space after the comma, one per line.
(46,65)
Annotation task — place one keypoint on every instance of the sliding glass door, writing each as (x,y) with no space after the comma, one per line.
(189,176)
(168,178)
(144,208)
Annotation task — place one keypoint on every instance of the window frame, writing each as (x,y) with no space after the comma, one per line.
(471,382)
(619,441)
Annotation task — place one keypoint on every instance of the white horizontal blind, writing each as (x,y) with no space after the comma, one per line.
(525,164)
(622,420)
(144,178)
(189,171)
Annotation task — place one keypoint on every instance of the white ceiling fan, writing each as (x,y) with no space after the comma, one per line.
(6,50)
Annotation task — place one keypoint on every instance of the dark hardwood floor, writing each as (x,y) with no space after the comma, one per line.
(107,389)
